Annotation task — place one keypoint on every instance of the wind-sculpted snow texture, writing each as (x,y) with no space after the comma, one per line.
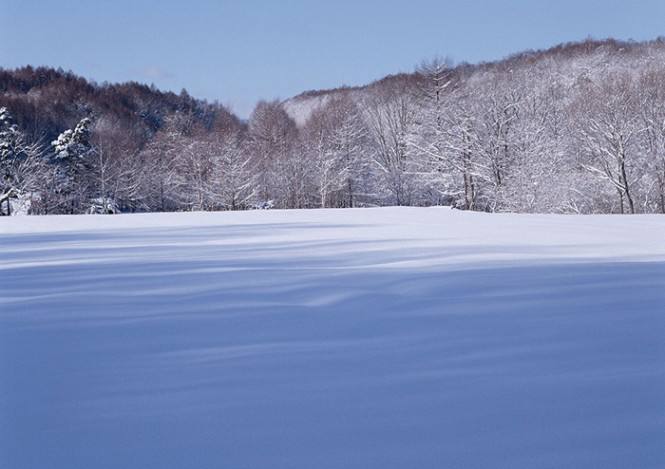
(378,338)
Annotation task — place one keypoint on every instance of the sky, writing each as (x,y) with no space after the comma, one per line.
(237,52)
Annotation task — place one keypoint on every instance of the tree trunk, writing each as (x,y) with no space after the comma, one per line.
(620,192)
(624,183)
(469,192)
(631,205)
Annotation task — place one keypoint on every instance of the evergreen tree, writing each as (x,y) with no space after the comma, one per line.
(72,152)
(20,163)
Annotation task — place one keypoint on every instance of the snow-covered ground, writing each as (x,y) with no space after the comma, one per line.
(378,338)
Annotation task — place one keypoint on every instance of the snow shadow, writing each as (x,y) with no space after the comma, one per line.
(233,348)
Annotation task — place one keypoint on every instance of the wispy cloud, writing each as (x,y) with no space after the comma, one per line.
(153,72)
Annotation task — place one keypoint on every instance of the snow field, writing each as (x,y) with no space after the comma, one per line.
(388,338)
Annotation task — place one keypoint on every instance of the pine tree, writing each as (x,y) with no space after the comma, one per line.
(72,153)
(20,163)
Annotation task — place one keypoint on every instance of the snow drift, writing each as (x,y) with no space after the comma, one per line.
(384,338)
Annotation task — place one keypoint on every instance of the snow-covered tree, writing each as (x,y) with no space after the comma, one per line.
(21,165)
(331,142)
(432,130)
(72,154)
(608,131)
(388,115)
(280,175)
(651,87)
(158,162)
(114,170)
(232,166)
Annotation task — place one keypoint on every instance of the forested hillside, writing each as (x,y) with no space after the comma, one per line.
(578,128)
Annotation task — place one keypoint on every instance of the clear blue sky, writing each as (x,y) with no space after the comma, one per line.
(239,51)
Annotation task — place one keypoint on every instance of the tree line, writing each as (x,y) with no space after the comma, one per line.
(579,128)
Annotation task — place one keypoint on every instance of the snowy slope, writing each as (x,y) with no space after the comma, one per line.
(301,108)
(378,338)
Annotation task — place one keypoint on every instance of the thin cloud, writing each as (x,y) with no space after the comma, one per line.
(155,73)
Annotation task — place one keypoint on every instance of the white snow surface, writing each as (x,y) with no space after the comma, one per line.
(367,338)
(301,108)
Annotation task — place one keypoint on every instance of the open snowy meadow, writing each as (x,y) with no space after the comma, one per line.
(365,338)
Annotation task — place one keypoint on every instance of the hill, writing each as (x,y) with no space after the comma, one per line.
(570,61)
(577,128)
(45,102)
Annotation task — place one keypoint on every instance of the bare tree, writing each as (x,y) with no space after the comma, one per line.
(273,138)
(652,111)
(115,172)
(388,115)
(608,129)
(232,170)
(158,161)
(499,110)
(331,140)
